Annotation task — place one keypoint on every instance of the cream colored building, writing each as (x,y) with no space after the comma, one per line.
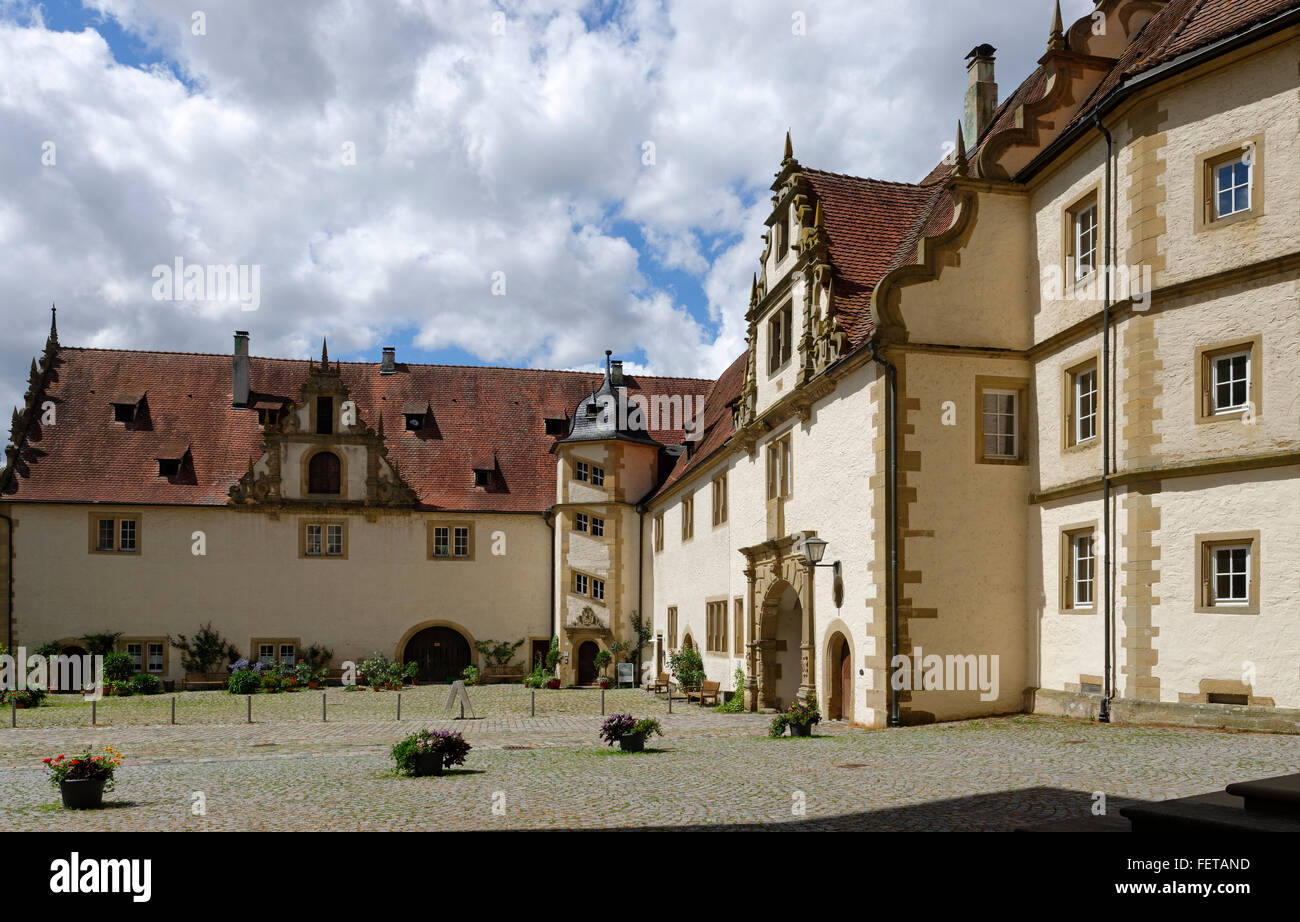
(1043,407)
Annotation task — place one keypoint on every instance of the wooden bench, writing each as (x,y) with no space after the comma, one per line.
(659,685)
(708,691)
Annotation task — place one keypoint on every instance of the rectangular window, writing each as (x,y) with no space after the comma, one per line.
(556,425)
(1228,573)
(156,657)
(580,521)
(314,540)
(1078,551)
(720,500)
(107,530)
(780,238)
(779,480)
(1228,379)
(672,627)
(333,540)
(114,534)
(266,653)
(780,338)
(597,527)
(325,415)
(688,517)
(1000,420)
(127,532)
(580,583)
(715,625)
(1085,405)
(738,626)
(1085,241)
(441,541)
(288,654)
(1230,580)
(659,532)
(460,541)
(1232,186)
(580,471)
(598,589)
(597,476)
(1230,382)
(1083,570)
(136,652)
(324,540)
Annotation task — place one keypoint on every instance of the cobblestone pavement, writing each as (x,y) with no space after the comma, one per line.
(550,771)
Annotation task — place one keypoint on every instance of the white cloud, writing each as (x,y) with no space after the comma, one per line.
(475,153)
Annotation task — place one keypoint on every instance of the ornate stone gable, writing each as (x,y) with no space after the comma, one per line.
(294,435)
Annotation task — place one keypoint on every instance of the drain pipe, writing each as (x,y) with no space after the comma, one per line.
(555,630)
(1103,713)
(891,516)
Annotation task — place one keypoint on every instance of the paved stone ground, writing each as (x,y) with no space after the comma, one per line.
(289,771)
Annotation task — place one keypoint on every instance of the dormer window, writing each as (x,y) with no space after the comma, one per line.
(780,338)
(482,478)
(593,409)
(416,413)
(324,473)
(171,458)
(125,406)
(556,425)
(169,467)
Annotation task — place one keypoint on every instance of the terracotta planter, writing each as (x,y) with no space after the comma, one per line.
(313,684)
(800,729)
(82,793)
(428,763)
(554,683)
(632,742)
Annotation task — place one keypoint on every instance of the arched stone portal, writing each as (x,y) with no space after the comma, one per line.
(780,658)
(441,652)
(839,666)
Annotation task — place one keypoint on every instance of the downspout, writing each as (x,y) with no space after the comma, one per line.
(891,516)
(1103,714)
(9,593)
(640,585)
(555,631)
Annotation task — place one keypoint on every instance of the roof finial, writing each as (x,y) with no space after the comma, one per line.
(54,326)
(324,354)
(959,162)
(789,149)
(817,214)
(1056,40)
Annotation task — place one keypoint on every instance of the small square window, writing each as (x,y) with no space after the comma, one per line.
(1230,382)
(124,412)
(482,478)
(556,425)
(1230,581)
(414,421)
(169,467)
(1228,573)
(1232,187)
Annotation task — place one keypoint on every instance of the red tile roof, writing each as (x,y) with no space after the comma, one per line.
(477,414)
(717,421)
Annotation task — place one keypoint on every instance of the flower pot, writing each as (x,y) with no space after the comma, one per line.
(800,729)
(428,763)
(313,684)
(82,793)
(632,742)
(554,683)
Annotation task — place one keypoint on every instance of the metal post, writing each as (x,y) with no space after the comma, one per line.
(399,705)
(532,708)
(670,699)
(249,698)
(322,706)
(173,709)
(602,702)
(462,709)
(13,713)
(93,716)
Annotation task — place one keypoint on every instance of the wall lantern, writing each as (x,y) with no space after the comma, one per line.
(814,549)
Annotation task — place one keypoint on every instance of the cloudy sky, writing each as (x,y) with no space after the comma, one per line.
(524,183)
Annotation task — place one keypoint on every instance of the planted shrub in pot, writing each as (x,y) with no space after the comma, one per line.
(688,667)
(799,717)
(82,779)
(118,670)
(628,732)
(27,698)
(244,680)
(429,752)
(144,683)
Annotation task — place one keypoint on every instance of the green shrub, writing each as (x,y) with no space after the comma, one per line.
(206,650)
(102,643)
(470,674)
(118,668)
(244,682)
(736,703)
(143,683)
(497,653)
(688,666)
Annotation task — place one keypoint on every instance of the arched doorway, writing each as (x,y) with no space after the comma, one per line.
(780,632)
(839,705)
(587,662)
(442,653)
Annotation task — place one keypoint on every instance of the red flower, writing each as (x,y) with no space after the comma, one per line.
(47,761)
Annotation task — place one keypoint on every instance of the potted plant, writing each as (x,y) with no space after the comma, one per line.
(602,660)
(629,732)
(800,717)
(470,675)
(82,779)
(28,698)
(429,752)
(201,656)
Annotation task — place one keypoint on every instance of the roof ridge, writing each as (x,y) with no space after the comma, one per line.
(870,179)
(274,358)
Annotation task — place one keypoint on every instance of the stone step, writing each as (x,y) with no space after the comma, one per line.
(1278,796)
(1216,812)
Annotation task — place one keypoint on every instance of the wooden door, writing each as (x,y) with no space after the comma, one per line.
(441,652)
(587,663)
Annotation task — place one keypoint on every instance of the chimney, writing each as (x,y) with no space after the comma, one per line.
(981,94)
(240,379)
(389,365)
(616,373)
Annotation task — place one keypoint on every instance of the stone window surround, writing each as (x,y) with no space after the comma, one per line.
(1205,544)
(451,526)
(144,642)
(254,643)
(1091,361)
(1065,547)
(715,610)
(574,573)
(324,538)
(687,505)
(305,483)
(1001,383)
(1203,203)
(1091,196)
(118,518)
(720,511)
(658,529)
(1204,358)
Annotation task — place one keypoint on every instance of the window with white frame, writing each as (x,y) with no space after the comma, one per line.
(1085,405)
(441,541)
(580,583)
(1230,574)
(266,653)
(460,541)
(1232,181)
(155,657)
(314,540)
(1083,570)
(1230,382)
(598,589)
(1085,241)
(288,654)
(333,540)
(1001,428)
(136,652)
